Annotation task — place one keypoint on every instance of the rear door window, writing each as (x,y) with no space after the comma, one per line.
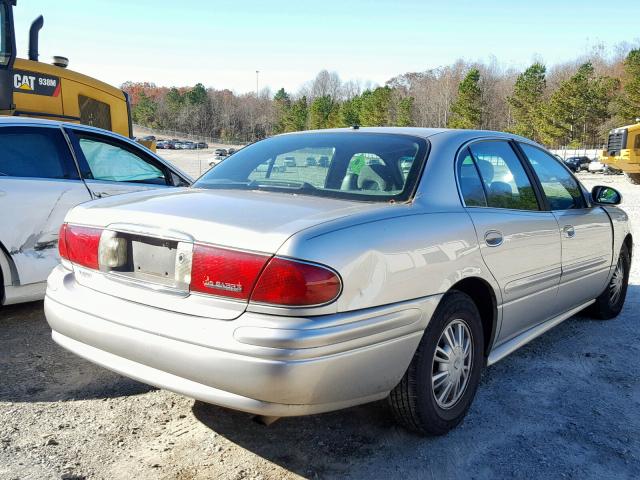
(470,182)
(35,152)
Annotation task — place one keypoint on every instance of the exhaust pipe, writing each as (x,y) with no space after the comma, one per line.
(33,37)
(265,420)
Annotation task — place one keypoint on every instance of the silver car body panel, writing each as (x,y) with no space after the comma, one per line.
(396,261)
(527,265)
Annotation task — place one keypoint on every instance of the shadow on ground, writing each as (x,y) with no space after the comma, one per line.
(53,374)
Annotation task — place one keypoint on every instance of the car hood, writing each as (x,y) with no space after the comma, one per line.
(252,220)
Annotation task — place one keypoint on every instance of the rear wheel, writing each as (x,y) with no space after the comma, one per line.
(610,302)
(437,389)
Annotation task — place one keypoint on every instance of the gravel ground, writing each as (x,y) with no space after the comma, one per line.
(565,406)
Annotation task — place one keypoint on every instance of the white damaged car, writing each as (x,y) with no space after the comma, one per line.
(48,167)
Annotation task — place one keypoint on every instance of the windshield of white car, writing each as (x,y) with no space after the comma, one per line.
(351,165)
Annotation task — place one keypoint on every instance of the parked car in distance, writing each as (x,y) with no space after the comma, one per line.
(582,161)
(596,166)
(231,151)
(290,161)
(216,159)
(177,145)
(311,162)
(202,146)
(287,294)
(323,161)
(573,164)
(46,168)
(220,151)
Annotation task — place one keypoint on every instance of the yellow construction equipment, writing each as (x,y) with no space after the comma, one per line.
(623,151)
(35,89)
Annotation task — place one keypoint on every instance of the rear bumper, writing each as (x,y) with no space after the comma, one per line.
(263,364)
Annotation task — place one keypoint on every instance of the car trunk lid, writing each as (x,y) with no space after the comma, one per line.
(147,241)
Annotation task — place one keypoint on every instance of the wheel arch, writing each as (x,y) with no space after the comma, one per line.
(8,271)
(628,241)
(484,297)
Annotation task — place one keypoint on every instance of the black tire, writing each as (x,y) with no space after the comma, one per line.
(605,307)
(634,178)
(413,401)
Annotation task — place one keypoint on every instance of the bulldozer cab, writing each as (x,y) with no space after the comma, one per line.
(31,88)
(622,151)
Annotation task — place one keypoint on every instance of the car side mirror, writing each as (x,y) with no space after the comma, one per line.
(178,181)
(602,195)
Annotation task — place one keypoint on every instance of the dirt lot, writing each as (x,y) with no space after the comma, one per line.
(565,406)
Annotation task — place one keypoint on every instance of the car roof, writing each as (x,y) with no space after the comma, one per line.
(423,132)
(10,120)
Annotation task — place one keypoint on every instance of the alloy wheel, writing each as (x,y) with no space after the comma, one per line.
(452,361)
(617,282)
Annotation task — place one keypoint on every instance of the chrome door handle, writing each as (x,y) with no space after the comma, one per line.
(569,231)
(493,238)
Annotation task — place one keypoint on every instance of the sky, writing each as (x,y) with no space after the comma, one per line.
(222,43)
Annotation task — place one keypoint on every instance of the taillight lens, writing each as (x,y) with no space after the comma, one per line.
(292,283)
(62,241)
(80,244)
(224,272)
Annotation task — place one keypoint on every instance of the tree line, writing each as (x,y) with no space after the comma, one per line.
(573,104)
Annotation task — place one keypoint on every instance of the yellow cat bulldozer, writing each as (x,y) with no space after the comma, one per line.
(30,88)
(623,151)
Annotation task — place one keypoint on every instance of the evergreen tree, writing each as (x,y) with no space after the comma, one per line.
(527,102)
(197,95)
(321,112)
(404,116)
(466,111)
(296,118)
(374,107)
(349,114)
(145,110)
(282,105)
(628,103)
(174,101)
(578,107)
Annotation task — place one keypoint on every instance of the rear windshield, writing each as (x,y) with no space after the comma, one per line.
(351,165)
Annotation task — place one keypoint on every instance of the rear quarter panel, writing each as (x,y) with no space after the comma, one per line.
(621,228)
(410,255)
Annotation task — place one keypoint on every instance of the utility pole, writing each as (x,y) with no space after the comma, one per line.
(257,73)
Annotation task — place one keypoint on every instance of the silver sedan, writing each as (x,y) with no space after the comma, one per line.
(397,267)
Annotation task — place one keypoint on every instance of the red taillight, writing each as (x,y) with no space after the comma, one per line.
(292,283)
(223,272)
(62,241)
(80,244)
